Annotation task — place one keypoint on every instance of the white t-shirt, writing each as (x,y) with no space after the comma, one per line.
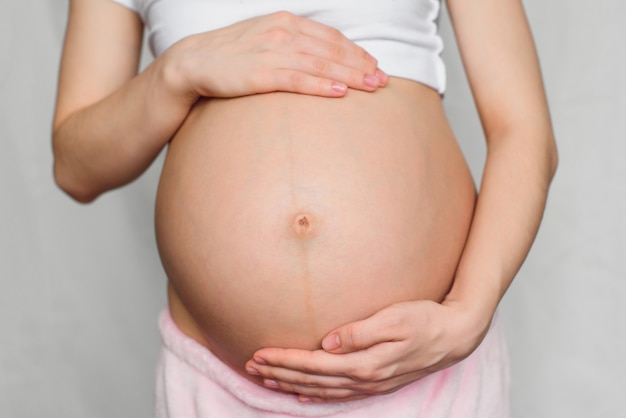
(401,34)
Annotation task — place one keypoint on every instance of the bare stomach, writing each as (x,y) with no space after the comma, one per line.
(281,216)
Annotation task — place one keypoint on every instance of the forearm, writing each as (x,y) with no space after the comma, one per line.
(111,142)
(519,168)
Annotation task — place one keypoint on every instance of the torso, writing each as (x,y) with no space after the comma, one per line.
(282,216)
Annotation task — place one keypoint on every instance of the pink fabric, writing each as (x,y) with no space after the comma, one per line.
(193,383)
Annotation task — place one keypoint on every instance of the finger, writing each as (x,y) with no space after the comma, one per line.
(295,81)
(312,368)
(313,391)
(333,61)
(317,362)
(328,388)
(297,377)
(336,46)
(325,394)
(380,327)
(319,387)
(382,76)
(323,68)
(375,389)
(307,74)
(349,54)
(318,30)
(354,390)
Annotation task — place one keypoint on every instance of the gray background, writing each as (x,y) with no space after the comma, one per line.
(82,285)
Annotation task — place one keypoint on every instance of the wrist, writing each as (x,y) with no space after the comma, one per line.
(170,76)
(478,303)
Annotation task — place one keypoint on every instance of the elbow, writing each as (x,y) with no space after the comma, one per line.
(71,182)
(71,185)
(67,177)
(70,172)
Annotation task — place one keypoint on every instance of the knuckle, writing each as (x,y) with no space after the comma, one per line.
(383,375)
(335,51)
(370,67)
(378,388)
(356,78)
(308,380)
(324,393)
(335,35)
(284,17)
(320,66)
(277,35)
(282,386)
(260,82)
(395,322)
(373,376)
(297,80)
(311,370)
(354,336)
(361,374)
(322,86)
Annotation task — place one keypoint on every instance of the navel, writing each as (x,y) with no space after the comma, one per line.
(304,225)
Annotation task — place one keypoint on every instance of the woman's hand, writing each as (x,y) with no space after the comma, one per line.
(277,52)
(381,354)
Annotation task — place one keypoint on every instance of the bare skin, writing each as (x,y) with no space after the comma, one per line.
(407,341)
(399,343)
(281,217)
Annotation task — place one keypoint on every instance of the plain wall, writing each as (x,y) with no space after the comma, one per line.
(82,285)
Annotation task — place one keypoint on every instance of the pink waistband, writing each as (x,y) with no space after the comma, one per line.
(193,382)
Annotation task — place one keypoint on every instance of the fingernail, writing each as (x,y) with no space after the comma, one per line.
(339,88)
(252,370)
(372,81)
(271,383)
(304,399)
(331,342)
(259,360)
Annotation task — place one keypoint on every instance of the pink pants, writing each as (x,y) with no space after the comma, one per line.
(193,383)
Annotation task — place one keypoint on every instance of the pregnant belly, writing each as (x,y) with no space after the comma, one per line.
(282,216)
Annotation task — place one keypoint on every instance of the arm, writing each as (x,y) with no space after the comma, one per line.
(408,341)
(110,123)
(503,71)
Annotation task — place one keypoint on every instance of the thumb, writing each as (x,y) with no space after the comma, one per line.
(357,335)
